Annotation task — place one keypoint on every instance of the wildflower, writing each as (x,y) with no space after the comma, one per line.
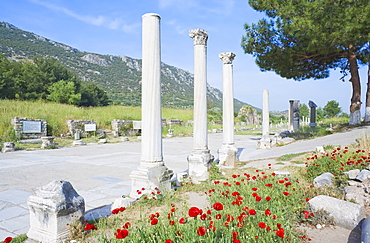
(262,225)
(172,222)
(239,225)
(90,227)
(268,198)
(168,241)
(126,225)
(267,212)
(218,206)
(8,239)
(194,211)
(154,221)
(280,233)
(121,234)
(235,194)
(286,193)
(258,198)
(218,216)
(252,212)
(182,221)
(201,231)
(268,185)
(254,189)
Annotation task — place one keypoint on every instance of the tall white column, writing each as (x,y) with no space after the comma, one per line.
(265,141)
(152,173)
(201,158)
(227,153)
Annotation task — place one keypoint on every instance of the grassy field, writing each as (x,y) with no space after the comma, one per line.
(57,115)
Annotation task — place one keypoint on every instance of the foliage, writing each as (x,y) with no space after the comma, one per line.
(47,78)
(304,110)
(288,157)
(331,109)
(306,39)
(64,92)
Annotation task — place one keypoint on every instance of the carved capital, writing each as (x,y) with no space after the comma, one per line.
(226,57)
(199,36)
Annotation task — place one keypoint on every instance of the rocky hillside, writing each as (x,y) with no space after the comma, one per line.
(120,76)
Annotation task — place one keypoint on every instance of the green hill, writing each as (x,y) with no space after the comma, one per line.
(120,76)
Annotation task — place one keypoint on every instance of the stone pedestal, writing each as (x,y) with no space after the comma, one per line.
(294,115)
(52,208)
(152,173)
(312,106)
(200,159)
(227,153)
(265,141)
(8,147)
(47,142)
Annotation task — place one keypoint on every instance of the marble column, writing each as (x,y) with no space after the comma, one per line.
(290,118)
(312,106)
(152,173)
(294,115)
(265,141)
(200,159)
(227,153)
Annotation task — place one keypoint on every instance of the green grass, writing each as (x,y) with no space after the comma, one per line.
(288,157)
(57,115)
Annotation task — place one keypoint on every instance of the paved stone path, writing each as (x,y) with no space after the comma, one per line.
(100,173)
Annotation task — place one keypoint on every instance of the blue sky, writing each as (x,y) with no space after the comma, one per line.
(114,27)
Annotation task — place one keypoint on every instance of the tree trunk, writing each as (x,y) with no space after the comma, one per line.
(355,115)
(367,111)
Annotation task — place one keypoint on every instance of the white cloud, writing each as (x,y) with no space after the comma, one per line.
(107,22)
(180,29)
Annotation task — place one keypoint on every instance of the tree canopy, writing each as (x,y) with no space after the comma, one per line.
(303,39)
(332,109)
(47,78)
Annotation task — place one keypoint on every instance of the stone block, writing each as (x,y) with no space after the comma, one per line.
(324,179)
(345,214)
(355,193)
(52,208)
(363,175)
(78,143)
(352,174)
(8,147)
(279,173)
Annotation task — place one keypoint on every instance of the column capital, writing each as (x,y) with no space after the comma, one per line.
(226,57)
(199,36)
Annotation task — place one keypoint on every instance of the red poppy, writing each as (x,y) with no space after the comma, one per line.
(254,194)
(235,234)
(268,185)
(201,231)
(236,241)
(182,221)
(280,233)
(268,198)
(258,198)
(218,216)
(115,211)
(203,216)
(262,225)
(194,211)
(218,206)
(252,212)
(127,225)
(286,193)
(267,212)
(235,194)
(121,234)
(90,227)
(239,225)
(8,239)
(154,221)
(254,189)
(168,241)
(172,222)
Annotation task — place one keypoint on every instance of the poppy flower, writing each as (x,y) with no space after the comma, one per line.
(154,221)
(8,239)
(286,193)
(252,212)
(201,231)
(126,225)
(218,216)
(90,227)
(268,198)
(194,211)
(235,194)
(280,233)
(168,241)
(218,206)
(254,189)
(262,225)
(267,212)
(172,222)
(182,221)
(121,234)
(258,198)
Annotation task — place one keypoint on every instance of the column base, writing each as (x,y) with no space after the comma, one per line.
(264,143)
(150,176)
(198,163)
(227,155)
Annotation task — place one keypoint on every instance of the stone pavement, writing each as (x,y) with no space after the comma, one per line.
(100,173)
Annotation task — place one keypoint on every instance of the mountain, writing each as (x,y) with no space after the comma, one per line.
(120,76)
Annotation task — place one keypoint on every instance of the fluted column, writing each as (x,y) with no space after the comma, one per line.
(201,158)
(152,172)
(227,153)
